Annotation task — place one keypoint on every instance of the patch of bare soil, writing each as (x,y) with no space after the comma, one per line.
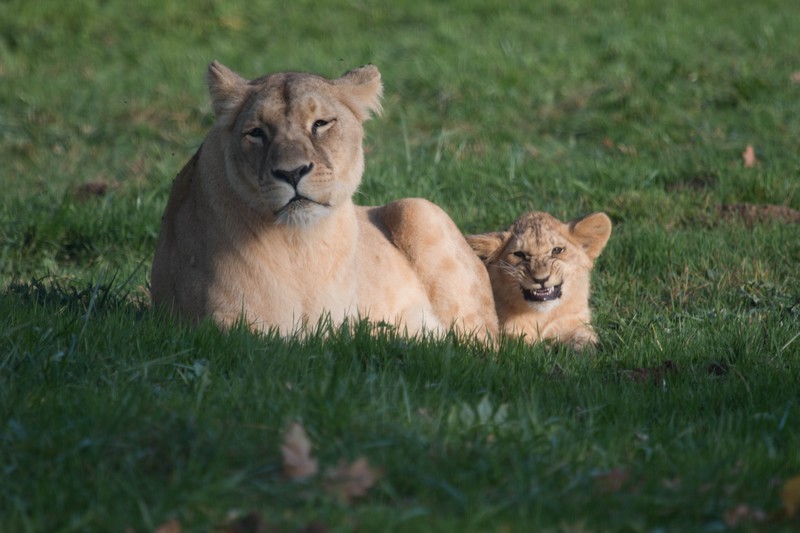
(760,213)
(91,189)
(694,182)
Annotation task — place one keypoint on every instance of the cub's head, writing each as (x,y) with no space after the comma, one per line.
(291,143)
(541,259)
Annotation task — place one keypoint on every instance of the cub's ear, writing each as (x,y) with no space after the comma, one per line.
(361,91)
(591,232)
(488,245)
(227,91)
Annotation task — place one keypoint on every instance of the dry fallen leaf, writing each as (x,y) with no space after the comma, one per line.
(749,156)
(350,481)
(735,516)
(250,523)
(791,496)
(796,77)
(612,481)
(628,149)
(296,451)
(254,522)
(170,526)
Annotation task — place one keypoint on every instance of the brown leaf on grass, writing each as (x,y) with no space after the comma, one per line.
(611,481)
(350,481)
(254,522)
(743,513)
(627,149)
(533,150)
(749,156)
(796,76)
(250,523)
(170,526)
(296,451)
(790,496)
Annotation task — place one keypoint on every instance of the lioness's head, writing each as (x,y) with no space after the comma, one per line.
(292,142)
(541,259)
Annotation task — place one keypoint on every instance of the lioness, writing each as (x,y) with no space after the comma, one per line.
(261,223)
(540,271)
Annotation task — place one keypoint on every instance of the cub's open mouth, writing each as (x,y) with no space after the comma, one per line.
(542,295)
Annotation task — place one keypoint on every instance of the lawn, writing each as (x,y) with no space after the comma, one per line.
(680,120)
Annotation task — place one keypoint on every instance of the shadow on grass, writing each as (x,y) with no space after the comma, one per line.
(104,296)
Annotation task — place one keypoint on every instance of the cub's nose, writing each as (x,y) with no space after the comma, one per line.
(293,176)
(540,281)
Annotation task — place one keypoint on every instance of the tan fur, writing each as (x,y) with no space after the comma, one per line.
(261,223)
(560,256)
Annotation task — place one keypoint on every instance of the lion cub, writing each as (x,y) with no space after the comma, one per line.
(540,272)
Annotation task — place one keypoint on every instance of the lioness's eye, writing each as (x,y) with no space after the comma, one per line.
(319,124)
(521,254)
(257,133)
(557,250)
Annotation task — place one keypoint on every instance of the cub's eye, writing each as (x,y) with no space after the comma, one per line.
(257,133)
(557,250)
(320,125)
(521,254)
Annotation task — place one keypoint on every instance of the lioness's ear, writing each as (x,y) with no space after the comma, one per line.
(226,89)
(362,91)
(591,232)
(488,245)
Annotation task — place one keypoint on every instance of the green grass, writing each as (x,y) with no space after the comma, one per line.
(114,417)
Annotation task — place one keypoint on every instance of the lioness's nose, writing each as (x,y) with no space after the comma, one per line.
(293,177)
